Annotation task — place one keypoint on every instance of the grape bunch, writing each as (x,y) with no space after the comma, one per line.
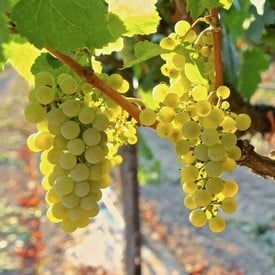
(196,118)
(78,143)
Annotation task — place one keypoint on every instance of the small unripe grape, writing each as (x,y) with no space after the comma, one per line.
(70,129)
(44,95)
(223,92)
(166,114)
(68,85)
(35,113)
(191,129)
(182,27)
(217,224)
(44,79)
(230,188)
(243,122)
(147,117)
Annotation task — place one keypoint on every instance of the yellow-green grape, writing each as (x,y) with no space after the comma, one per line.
(230,188)
(59,211)
(217,224)
(159,92)
(188,158)
(201,152)
(181,118)
(44,79)
(52,197)
(189,173)
(229,205)
(94,154)
(82,188)
(54,129)
(147,117)
(203,108)
(76,146)
(234,152)
(199,92)
(63,185)
(182,27)
(168,43)
(225,105)
(229,124)
(45,168)
(171,100)
(67,160)
(209,136)
(30,143)
(169,71)
(243,122)
(228,140)
(214,185)
(178,60)
(70,129)
(56,116)
(190,187)
(166,114)
(54,155)
(43,140)
(124,88)
(35,113)
(91,137)
(59,142)
(44,95)
(69,226)
(191,36)
(198,218)
(205,51)
(71,108)
(115,81)
(202,197)
(229,165)
(51,217)
(45,183)
(70,200)
(164,129)
(86,115)
(68,85)
(101,122)
(189,202)
(80,172)
(191,129)
(216,152)
(88,202)
(86,88)
(213,168)
(175,135)
(223,92)
(213,119)
(182,147)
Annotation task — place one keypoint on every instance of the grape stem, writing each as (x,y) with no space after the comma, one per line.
(217,46)
(94,80)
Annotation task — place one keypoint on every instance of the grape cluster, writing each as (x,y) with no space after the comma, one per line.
(76,136)
(197,120)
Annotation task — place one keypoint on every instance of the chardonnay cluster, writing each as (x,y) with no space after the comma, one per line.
(78,141)
(196,118)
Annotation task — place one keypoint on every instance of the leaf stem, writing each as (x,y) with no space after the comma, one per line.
(217,46)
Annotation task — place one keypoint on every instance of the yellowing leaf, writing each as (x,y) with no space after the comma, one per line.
(193,74)
(138,17)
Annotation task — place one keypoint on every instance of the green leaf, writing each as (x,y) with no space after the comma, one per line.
(145,50)
(254,62)
(66,25)
(226,4)
(197,7)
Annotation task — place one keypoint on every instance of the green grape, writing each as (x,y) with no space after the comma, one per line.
(229,165)
(223,92)
(80,172)
(164,129)
(44,95)
(35,113)
(82,188)
(213,119)
(166,114)
(198,218)
(243,122)
(54,129)
(229,125)
(190,36)
(209,136)
(214,185)
(59,211)
(30,143)
(217,152)
(172,100)
(175,135)
(71,108)
(225,105)
(91,137)
(202,197)
(44,79)
(230,188)
(63,185)
(86,115)
(188,158)
(199,92)
(189,202)
(213,168)
(182,147)
(45,168)
(59,171)
(201,152)
(54,155)
(181,118)
(45,183)
(52,197)
(189,173)
(77,215)
(67,161)
(51,217)
(69,226)
(59,142)
(234,152)
(182,27)
(203,108)
(115,81)
(169,71)
(56,117)
(217,224)
(101,122)
(76,146)
(86,88)
(147,117)
(70,200)
(168,43)
(205,51)
(191,129)
(190,187)
(70,129)
(43,140)
(68,85)
(228,140)
(94,154)
(88,202)
(178,60)
(159,92)
(229,205)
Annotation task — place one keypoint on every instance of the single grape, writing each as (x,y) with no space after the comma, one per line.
(189,173)
(191,129)
(209,136)
(166,114)
(80,172)
(189,202)
(87,115)
(164,129)
(147,117)
(168,43)
(202,197)
(44,95)
(51,217)
(56,116)
(201,152)
(115,81)
(59,211)
(229,165)
(68,225)
(198,218)
(94,154)
(171,100)
(76,146)
(67,161)
(70,200)
(44,79)
(223,92)
(59,142)
(52,197)
(234,152)
(229,125)
(43,140)
(217,224)
(216,152)
(68,85)
(213,168)
(189,187)
(182,27)
(91,137)
(82,188)
(229,205)
(70,129)
(199,92)
(101,122)
(31,145)
(214,185)
(182,147)
(71,108)
(203,108)
(159,92)
(243,122)
(228,140)
(230,188)
(63,185)
(35,113)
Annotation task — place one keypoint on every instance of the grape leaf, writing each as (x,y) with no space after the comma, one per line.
(254,62)
(145,50)
(66,25)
